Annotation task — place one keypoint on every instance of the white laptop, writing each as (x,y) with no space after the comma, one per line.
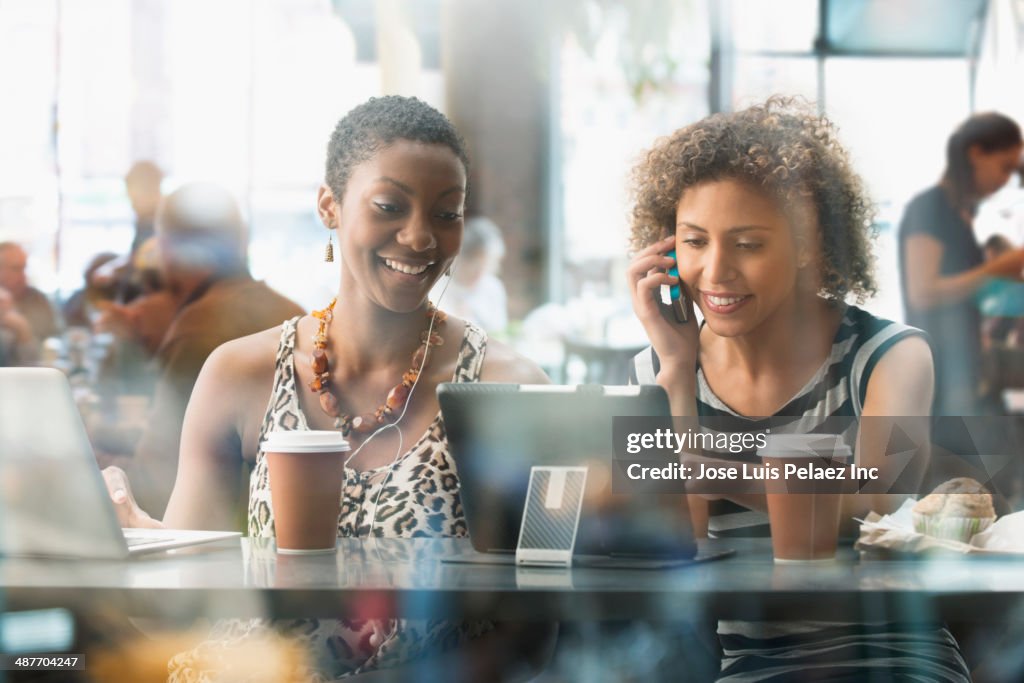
(53,500)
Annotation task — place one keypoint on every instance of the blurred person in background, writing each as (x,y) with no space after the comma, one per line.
(142,184)
(1001,304)
(202,246)
(476,293)
(145,320)
(942,266)
(138,329)
(1000,300)
(18,345)
(151,314)
(81,306)
(393,195)
(28,301)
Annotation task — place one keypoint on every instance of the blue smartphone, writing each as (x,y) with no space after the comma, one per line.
(677,300)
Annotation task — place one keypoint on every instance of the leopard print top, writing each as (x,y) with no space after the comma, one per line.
(419,498)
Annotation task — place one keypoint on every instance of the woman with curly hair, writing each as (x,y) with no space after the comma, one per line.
(772,231)
(942,265)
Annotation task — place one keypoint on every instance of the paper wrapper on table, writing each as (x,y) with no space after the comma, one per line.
(1005,535)
(895,533)
(953,528)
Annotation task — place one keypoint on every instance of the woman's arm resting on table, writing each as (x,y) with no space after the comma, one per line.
(900,390)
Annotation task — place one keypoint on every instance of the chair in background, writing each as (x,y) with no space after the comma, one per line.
(602,364)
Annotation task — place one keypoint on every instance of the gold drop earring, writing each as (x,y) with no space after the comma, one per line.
(329,249)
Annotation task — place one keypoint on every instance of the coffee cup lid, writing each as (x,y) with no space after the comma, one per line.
(304,441)
(805,446)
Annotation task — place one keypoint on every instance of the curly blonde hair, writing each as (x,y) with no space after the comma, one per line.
(783,149)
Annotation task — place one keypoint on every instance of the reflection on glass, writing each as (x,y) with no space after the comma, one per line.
(46,630)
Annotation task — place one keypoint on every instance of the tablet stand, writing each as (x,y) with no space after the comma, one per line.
(551,516)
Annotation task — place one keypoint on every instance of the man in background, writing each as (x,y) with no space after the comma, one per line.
(203,245)
(28,301)
(17,343)
(142,184)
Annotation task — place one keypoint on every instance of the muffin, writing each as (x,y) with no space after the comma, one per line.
(955,510)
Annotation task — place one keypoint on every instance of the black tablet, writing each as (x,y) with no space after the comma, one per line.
(498,432)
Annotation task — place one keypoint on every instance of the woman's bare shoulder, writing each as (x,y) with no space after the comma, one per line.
(247,359)
(903,381)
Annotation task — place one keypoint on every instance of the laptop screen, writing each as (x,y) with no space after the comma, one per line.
(52,497)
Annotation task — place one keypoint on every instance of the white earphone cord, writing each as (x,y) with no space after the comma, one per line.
(394,425)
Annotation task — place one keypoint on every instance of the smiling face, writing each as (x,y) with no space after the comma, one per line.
(737,255)
(993,169)
(399,222)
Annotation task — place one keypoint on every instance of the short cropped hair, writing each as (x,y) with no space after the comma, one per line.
(379,122)
(783,149)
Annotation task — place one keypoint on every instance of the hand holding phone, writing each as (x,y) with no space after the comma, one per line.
(677,299)
(674,335)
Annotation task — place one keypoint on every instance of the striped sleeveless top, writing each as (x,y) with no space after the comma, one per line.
(805,650)
(829,402)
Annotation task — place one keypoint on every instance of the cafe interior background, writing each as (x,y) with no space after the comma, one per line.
(555,99)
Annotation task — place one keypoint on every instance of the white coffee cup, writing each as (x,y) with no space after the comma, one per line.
(306,470)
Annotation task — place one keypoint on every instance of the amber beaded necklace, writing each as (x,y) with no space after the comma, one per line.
(394,404)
